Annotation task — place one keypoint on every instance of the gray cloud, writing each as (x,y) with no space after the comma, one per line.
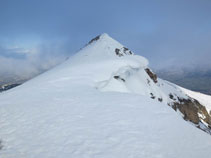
(21,64)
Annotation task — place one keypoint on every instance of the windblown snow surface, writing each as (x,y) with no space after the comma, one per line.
(79,110)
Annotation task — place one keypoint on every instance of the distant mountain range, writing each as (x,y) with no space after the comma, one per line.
(194,79)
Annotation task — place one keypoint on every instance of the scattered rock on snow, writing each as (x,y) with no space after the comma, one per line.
(152,96)
(119,78)
(160,99)
(117,51)
(122,51)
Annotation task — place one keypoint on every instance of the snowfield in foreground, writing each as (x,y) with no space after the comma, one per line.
(97,104)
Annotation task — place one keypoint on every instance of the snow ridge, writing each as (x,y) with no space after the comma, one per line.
(102,102)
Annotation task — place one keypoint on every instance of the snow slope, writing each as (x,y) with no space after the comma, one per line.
(79,109)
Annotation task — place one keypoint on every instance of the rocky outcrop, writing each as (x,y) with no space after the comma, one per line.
(117,51)
(190,108)
(127,51)
(94,39)
(123,51)
(8,86)
(194,112)
(152,75)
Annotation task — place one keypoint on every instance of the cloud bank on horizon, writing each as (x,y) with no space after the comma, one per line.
(36,35)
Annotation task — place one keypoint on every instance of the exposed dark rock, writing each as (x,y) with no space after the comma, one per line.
(123,51)
(127,51)
(8,86)
(117,51)
(160,99)
(119,78)
(94,39)
(171,96)
(190,108)
(152,96)
(116,77)
(151,75)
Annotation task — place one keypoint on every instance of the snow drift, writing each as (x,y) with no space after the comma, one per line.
(102,102)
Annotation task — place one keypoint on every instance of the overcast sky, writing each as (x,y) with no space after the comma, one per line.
(37,34)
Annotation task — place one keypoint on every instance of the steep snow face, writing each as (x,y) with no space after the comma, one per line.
(104,48)
(102,66)
(118,69)
(77,110)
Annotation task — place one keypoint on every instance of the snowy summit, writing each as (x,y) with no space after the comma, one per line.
(103,102)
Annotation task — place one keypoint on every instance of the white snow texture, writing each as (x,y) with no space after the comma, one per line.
(80,110)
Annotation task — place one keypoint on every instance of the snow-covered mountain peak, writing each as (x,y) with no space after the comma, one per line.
(103,102)
(103,36)
(107,65)
(103,48)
